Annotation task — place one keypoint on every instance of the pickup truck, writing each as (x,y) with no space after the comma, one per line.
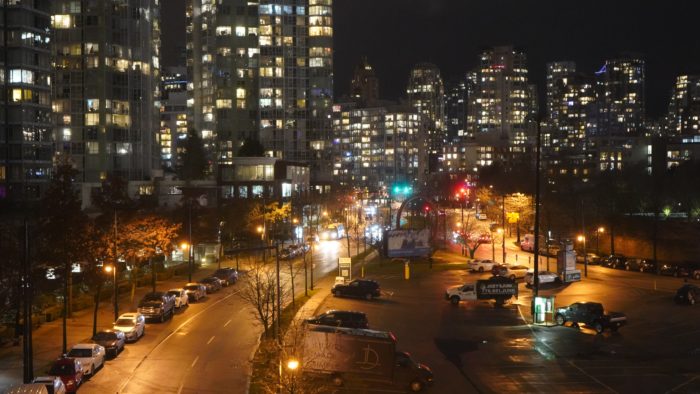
(591,314)
(157,305)
(464,292)
(360,356)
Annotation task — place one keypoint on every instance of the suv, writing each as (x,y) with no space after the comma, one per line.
(335,318)
(228,276)
(157,304)
(364,288)
(592,315)
(614,261)
(70,371)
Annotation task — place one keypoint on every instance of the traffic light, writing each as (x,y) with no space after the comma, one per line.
(402,190)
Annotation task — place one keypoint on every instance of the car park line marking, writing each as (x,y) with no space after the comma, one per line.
(210,339)
(564,358)
(186,322)
(689,381)
(229,321)
(195,361)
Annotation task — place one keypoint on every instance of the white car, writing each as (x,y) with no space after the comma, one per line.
(133,325)
(511,271)
(181,297)
(90,355)
(464,292)
(480,265)
(53,384)
(545,277)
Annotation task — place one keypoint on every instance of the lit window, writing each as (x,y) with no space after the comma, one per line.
(66,134)
(92,119)
(92,147)
(240,93)
(240,31)
(224,103)
(224,30)
(62,21)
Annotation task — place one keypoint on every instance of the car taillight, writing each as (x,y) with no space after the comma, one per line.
(70,383)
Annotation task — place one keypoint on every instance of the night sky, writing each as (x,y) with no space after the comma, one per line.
(396,34)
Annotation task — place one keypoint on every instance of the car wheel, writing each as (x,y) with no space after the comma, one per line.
(627,267)
(337,380)
(512,277)
(454,300)
(560,319)
(697,277)
(675,274)
(162,317)
(691,298)
(598,327)
(368,296)
(416,386)
(481,270)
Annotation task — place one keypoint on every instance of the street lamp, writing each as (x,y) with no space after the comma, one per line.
(113,270)
(502,233)
(292,367)
(598,232)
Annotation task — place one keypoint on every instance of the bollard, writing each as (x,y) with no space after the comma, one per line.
(516,258)
(406,271)
(528,260)
(362,271)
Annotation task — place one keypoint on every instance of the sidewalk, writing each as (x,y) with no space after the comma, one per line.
(48,337)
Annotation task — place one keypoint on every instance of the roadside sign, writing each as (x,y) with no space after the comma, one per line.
(496,287)
(345,267)
(513,217)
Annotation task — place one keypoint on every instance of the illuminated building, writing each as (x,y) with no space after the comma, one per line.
(498,116)
(106,86)
(26,143)
(426,94)
(378,146)
(684,108)
(456,94)
(173,116)
(262,70)
(620,96)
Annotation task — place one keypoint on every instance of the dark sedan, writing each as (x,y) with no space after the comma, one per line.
(363,288)
(112,340)
(679,270)
(614,261)
(335,318)
(212,283)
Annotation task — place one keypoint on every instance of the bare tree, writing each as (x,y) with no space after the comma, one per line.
(258,290)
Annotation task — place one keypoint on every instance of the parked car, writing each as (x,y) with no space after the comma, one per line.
(70,371)
(195,291)
(480,265)
(364,288)
(591,314)
(336,318)
(679,270)
(544,277)
(228,276)
(510,271)
(112,340)
(696,274)
(550,250)
(484,238)
(591,259)
(615,261)
(53,384)
(27,388)
(181,297)
(212,283)
(133,325)
(157,305)
(90,355)
(648,266)
(687,295)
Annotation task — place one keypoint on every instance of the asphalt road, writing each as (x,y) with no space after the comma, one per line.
(205,348)
(476,347)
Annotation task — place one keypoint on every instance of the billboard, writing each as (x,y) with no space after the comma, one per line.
(496,287)
(408,243)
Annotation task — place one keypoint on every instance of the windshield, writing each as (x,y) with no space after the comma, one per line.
(62,369)
(174,293)
(80,353)
(105,336)
(152,297)
(124,322)
(192,287)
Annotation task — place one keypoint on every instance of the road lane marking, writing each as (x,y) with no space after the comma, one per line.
(133,373)
(229,321)
(210,339)
(195,361)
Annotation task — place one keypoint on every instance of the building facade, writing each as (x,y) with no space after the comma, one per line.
(173,117)
(426,94)
(620,97)
(684,108)
(379,146)
(262,70)
(106,86)
(364,87)
(26,142)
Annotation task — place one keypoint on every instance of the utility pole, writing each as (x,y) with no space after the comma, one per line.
(190,254)
(27,345)
(279,297)
(503,224)
(116,260)
(583,232)
(536,273)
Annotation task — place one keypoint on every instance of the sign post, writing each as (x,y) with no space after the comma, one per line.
(345,268)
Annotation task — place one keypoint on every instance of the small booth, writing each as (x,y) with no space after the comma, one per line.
(543,310)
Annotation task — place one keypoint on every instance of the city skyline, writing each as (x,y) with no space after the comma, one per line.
(445,34)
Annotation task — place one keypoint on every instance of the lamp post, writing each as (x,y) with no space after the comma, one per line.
(292,367)
(599,231)
(113,270)
(503,225)
(582,240)
(502,233)
(190,255)
(221,246)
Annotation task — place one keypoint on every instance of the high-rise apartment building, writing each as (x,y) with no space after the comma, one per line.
(557,72)
(426,93)
(456,95)
(620,96)
(378,146)
(501,106)
(684,107)
(173,116)
(106,86)
(364,88)
(262,70)
(26,143)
